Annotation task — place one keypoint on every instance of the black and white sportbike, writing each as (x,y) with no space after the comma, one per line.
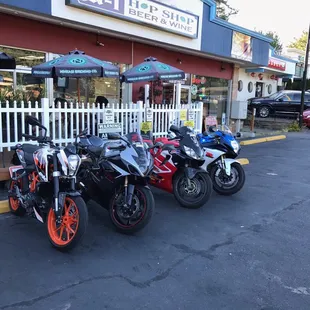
(114,174)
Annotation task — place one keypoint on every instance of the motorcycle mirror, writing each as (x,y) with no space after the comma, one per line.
(212,129)
(31,120)
(174,129)
(84,132)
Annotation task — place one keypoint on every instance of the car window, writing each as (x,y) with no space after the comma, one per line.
(276,95)
(296,97)
(286,98)
(307,97)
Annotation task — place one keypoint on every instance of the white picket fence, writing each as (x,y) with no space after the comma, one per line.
(64,122)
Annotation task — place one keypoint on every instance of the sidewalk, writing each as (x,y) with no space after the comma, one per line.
(260,132)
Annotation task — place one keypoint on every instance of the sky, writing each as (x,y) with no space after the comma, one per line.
(288,20)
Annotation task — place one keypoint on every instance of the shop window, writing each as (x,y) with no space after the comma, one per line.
(250,87)
(213,92)
(240,85)
(19,82)
(269,89)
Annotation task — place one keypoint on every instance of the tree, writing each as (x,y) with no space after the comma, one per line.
(301,42)
(224,10)
(276,43)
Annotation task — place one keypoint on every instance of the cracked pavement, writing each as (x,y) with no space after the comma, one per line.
(248,251)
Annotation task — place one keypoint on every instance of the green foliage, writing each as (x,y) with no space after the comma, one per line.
(297,85)
(289,85)
(8,94)
(301,42)
(293,127)
(224,10)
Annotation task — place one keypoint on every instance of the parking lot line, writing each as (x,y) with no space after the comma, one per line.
(243,161)
(262,140)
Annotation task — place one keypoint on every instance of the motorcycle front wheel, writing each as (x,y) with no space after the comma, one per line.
(67,234)
(131,219)
(228,185)
(195,193)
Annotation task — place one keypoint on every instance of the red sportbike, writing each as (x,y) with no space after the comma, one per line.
(177,168)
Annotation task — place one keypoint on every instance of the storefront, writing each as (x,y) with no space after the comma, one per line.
(124,33)
(264,81)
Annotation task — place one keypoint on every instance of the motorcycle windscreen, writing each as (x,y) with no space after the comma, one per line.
(190,140)
(140,157)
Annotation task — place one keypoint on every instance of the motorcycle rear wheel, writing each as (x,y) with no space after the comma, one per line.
(201,183)
(66,235)
(145,205)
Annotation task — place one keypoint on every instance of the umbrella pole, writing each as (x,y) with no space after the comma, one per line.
(78,89)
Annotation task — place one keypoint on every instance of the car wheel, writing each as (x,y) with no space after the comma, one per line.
(264,112)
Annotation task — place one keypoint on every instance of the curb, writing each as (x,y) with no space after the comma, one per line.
(4,206)
(262,140)
(243,161)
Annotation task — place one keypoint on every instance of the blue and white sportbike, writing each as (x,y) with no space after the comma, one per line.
(220,151)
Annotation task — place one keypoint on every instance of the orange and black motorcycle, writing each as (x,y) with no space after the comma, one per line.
(42,185)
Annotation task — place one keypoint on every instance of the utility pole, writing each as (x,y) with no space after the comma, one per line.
(304,84)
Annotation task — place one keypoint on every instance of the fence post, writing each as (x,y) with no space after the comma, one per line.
(45,114)
(147,94)
(178,94)
(140,112)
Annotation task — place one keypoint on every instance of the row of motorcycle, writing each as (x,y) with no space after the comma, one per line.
(53,183)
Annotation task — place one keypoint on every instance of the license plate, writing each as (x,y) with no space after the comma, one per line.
(14,169)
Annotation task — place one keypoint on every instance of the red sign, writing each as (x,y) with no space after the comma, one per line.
(277,64)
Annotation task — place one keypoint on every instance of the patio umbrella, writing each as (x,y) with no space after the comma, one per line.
(150,70)
(6,61)
(76,64)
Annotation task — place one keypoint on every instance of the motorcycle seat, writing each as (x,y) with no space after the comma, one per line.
(29,149)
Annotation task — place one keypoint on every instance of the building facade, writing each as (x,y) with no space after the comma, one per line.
(264,81)
(125,32)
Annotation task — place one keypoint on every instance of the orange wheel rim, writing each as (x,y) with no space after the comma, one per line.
(13,201)
(63,233)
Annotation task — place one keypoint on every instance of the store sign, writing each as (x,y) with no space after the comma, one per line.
(277,64)
(148,12)
(109,116)
(149,114)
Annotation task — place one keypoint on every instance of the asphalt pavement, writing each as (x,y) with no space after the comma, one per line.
(249,251)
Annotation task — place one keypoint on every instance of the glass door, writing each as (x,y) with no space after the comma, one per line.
(186,97)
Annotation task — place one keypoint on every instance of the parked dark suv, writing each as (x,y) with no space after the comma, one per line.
(285,101)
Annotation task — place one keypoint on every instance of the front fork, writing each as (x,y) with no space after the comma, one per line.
(224,166)
(58,199)
(129,190)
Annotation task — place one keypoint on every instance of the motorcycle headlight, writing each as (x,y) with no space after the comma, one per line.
(235,146)
(73,162)
(190,152)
